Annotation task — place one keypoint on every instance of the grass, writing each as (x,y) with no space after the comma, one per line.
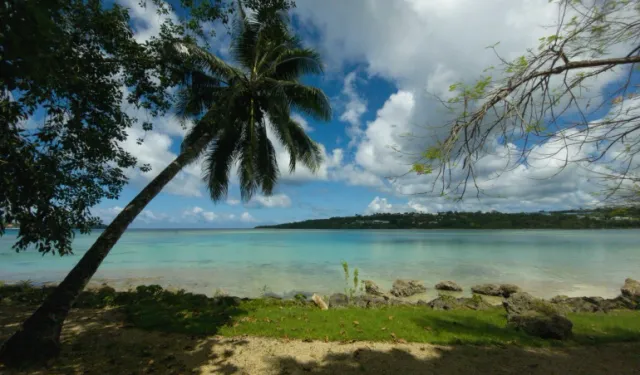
(295,320)
(154,309)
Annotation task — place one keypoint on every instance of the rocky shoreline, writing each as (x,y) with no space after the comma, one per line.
(544,318)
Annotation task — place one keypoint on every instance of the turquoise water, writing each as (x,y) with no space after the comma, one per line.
(242,262)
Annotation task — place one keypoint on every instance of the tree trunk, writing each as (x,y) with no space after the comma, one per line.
(38,340)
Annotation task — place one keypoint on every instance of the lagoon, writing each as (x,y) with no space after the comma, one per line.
(246,262)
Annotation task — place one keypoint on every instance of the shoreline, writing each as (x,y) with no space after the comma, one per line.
(130,284)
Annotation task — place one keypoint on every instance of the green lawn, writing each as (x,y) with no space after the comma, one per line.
(409,323)
(151,308)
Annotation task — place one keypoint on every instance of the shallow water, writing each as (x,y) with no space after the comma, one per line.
(242,262)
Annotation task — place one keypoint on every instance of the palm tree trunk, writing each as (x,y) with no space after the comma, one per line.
(38,340)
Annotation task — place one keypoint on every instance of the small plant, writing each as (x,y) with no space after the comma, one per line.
(25,284)
(264,290)
(349,290)
(300,297)
(219,293)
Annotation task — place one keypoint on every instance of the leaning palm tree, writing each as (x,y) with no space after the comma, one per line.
(232,107)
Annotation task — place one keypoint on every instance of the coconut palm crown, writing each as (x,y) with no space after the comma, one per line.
(235,104)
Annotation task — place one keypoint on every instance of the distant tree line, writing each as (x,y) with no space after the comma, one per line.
(601,218)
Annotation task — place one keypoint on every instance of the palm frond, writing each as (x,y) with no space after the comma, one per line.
(280,124)
(307,99)
(307,151)
(292,64)
(209,63)
(210,125)
(219,159)
(247,167)
(196,95)
(265,162)
(244,42)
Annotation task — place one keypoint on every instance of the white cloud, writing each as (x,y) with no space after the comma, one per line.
(106,214)
(247,218)
(302,122)
(155,151)
(424,46)
(199,214)
(355,107)
(233,202)
(379,205)
(146,20)
(273,201)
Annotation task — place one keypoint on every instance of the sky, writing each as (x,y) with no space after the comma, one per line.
(384,61)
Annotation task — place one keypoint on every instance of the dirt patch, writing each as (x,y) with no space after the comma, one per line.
(100,342)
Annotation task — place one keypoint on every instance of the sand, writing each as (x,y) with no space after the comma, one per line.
(100,342)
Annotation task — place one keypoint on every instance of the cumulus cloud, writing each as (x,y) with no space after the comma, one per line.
(247,218)
(199,214)
(424,46)
(233,202)
(355,107)
(273,201)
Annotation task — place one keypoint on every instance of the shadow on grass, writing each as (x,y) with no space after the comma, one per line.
(620,359)
(97,339)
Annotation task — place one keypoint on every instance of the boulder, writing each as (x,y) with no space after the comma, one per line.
(592,304)
(271,295)
(452,303)
(369,301)
(338,300)
(545,326)
(523,302)
(622,303)
(487,289)
(372,288)
(509,289)
(631,290)
(448,285)
(320,302)
(406,288)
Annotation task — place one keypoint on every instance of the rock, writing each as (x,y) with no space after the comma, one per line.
(487,289)
(541,325)
(338,300)
(631,290)
(448,285)
(559,299)
(406,288)
(581,304)
(369,301)
(372,288)
(452,303)
(592,304)
(422,303)
(271,295)
(621,303)
(523,302)
(320,302)
(509,289)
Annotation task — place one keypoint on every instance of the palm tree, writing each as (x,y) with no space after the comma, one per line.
(232,106)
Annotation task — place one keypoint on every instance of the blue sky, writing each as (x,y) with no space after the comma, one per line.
(383,60)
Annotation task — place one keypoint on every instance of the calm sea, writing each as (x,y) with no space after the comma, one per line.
(243,262)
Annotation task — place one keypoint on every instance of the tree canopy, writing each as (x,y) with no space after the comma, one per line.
(236,104)
(67,67)
(542,105)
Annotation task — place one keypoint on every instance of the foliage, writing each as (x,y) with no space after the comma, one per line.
(588,219)
(65,64)
(234,105)
(69,69)
(544,98)
(349,290)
